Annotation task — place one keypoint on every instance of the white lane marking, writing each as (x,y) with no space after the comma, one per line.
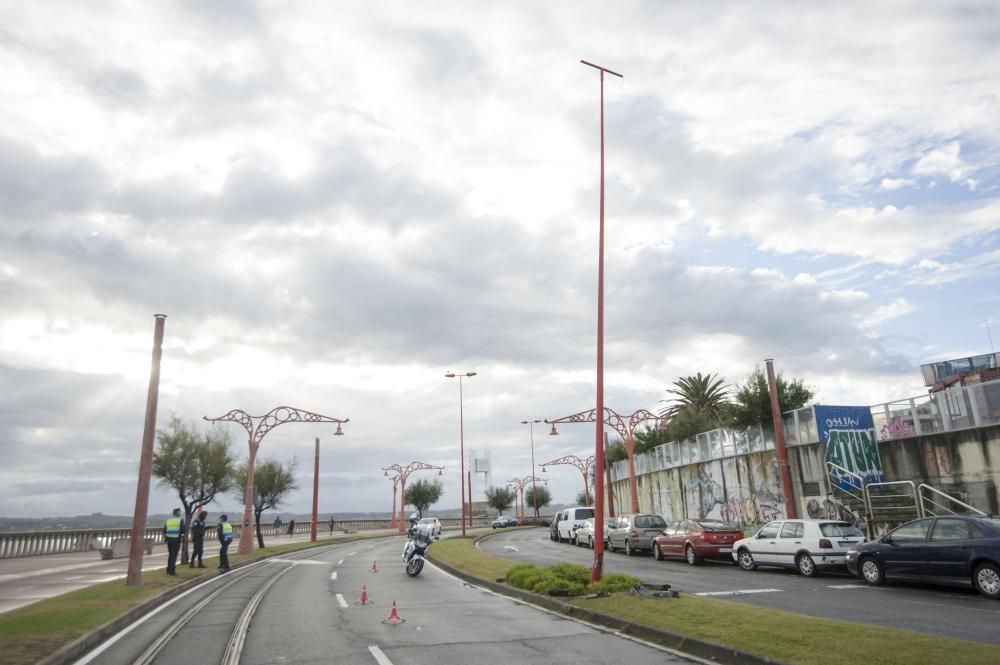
(847,586)
(296,562)
(511,547)
(341,601)
(380,657)
(351,553)
(735,593)
(340,562)
(333,575)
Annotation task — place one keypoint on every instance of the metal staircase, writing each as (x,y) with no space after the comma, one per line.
(884,506)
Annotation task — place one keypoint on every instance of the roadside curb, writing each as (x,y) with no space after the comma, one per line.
(676,641)
(82,645)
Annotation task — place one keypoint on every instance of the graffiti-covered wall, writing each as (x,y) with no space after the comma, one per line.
(746,489)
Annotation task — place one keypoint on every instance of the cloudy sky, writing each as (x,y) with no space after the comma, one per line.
(336,203)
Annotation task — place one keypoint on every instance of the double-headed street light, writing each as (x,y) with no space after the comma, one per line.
(257,428)
(531,433)
(584,465)
(402,474)
(626,430)
(461,441)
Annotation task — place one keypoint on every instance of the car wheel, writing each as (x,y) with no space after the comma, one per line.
(628,548)
(657,554)
(872,571)
(806,565)
(987,580)
(691,556)
(746,561)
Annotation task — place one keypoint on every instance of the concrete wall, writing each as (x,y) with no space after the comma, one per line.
(746,489)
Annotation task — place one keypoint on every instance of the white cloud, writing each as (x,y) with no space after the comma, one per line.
(335,205)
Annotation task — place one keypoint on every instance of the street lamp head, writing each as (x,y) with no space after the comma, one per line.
(554,432)
(450,375)
(385,473)
(543,469)
(339,432)
(470,373)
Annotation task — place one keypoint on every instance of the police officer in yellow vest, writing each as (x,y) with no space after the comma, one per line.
(225,531)
(172,530)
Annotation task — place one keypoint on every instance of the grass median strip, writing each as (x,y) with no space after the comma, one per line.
(783,636)
(31,633)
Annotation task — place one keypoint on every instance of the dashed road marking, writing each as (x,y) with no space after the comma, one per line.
(511,547)
(340,562)
(380,657)
(740,592)
(847,586)
(351,553)
(333,575)
(341,601)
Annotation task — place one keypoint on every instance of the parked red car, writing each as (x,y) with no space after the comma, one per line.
(696,540)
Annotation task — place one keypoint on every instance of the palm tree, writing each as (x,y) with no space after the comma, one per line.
(705,396)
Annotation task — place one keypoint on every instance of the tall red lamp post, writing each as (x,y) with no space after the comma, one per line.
(598,567)
(257,428)
(404,473)
(312,532)
(461,443)
(518,484)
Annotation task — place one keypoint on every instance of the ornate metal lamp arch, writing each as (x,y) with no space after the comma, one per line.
(402,473)
(625,429)
(257,428)
(584,465)
(519,484)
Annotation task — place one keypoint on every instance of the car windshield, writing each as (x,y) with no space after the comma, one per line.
(650,522)
(839,529)
(717,526)
(583,513)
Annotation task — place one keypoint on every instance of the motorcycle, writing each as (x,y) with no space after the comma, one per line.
(415,551)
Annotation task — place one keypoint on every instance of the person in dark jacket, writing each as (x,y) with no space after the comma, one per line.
(225,533)
(198,539)
(172,530)
(331,525)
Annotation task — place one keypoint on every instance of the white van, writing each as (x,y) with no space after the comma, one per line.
(571,519)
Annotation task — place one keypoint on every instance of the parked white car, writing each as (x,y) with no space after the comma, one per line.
(585,534)
(807,545)
(569,520)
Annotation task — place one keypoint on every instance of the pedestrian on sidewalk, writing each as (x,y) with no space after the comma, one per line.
(331,525)
(172,530)
(225,533)
(198,539)
(291,527)
(277,525)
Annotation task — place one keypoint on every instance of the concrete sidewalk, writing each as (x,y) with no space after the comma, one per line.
(27,580)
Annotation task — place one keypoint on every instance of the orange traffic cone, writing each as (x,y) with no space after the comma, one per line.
(364,599)
(374,568)
(393,617)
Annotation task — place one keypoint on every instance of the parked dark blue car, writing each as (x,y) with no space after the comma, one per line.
(953,550)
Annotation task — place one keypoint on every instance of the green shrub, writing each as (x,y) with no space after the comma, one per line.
(568,577)
(614,582)
(571,572)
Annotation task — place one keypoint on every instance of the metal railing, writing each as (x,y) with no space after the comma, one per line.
(855,484)
(890,506)
(958,408)
(926,501)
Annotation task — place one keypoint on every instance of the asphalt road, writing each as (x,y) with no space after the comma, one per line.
(306,613)
(938,610)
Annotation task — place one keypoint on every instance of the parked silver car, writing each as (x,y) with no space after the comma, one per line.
(635,532)
(585,534)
